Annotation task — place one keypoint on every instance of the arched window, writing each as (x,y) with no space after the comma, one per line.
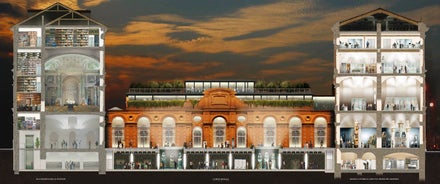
(219,125)
(269,125)
(295,132)
(197,137)
(143,125)
(241,137)
(320,132)
(168,126)
(117,132)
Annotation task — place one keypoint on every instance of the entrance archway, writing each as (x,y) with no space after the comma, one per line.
(219,131)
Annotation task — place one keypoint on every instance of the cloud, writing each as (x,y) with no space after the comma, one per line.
(249,29)
(306,66)
(89,3)
(429,15)
(284,57)
(6,25)
(315,65)
(219,75)
(165,18)
(141,33)
(142,66)
(42,4)
(125,62)
(286,40)
(245,31)
(213,33)
(12,10)
(73,4)
(121,71)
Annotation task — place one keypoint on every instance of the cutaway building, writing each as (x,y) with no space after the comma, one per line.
(221,125)
(375,122)
(380,94)
(58,91)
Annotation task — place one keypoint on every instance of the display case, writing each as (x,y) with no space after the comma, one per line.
(348,137)
(368,138)
(386,137)
(358,104)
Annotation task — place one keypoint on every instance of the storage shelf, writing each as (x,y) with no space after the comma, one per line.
(71,37)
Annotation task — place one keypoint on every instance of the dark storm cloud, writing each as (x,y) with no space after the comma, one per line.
(317,58)
(432,58)
(7,10)
(221,57)
(142,50)
(318,49)
(261,33)
(237,64)
(5,48)
(11,10)
(432,45)
(404,5)
(343,4)
(321,49)
(185,35)
(251,67)
(122,12)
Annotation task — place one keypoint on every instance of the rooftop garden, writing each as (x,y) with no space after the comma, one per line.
(180,103)
(181,84)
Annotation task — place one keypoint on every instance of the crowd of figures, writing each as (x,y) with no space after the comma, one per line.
(27,107)
(206,165)
(64,145)
(400,44)
(71,165)
(75,144)
(137,165)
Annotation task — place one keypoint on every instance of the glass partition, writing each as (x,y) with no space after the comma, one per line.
(266,158)
(401,63)
(401,43)
(401,104)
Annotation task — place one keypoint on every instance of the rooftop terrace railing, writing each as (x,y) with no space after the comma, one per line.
(200,91)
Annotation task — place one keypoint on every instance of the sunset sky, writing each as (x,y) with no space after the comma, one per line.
(221,39)
(212,39)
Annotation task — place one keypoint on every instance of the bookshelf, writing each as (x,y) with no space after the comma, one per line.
(72,37)
(28,39)
(27,84)
(29,63)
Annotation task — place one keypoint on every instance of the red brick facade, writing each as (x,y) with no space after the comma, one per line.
(220,102)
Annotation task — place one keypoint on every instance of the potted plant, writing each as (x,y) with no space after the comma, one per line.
(37,143)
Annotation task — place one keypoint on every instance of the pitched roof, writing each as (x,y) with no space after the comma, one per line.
(389,22)
(59,14)
(379,13)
